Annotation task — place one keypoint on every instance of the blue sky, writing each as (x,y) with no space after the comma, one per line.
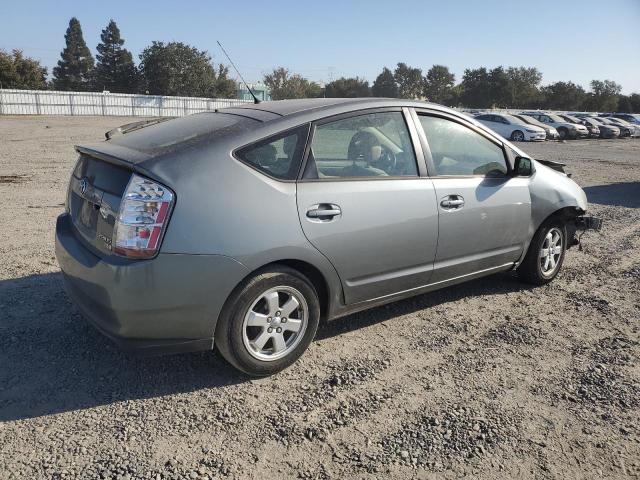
(566,39)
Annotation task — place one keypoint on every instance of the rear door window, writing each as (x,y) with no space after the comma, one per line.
(278,156)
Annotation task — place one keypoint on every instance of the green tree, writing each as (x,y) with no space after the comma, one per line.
(524,85)
(603,96)
(385,85)
(624,104)
(348,88)
(284,85)
(223,85)
(499,87)
(563,96)
(181,70)
(634,99)
(74,68)
(475,88)
(114,69)
(438,84)
(409,81)
(18,71)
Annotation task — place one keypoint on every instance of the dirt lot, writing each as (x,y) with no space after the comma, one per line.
(492,379)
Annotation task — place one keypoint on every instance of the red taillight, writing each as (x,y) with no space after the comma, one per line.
(142,219)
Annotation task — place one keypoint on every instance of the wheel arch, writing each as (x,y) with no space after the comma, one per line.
(565,213)
(326,296)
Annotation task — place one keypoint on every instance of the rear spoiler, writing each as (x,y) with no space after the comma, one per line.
(130,127)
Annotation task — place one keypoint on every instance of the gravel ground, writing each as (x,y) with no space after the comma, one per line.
(491,379)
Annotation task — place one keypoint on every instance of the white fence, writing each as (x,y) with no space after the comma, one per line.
(46,102)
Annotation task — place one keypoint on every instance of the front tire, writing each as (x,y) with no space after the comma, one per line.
(546,253)
(563,133)
(517,136)
(268,321)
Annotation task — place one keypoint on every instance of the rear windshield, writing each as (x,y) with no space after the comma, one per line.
(164,137)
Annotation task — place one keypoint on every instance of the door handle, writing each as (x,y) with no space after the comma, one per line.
(324,211)
(452,202)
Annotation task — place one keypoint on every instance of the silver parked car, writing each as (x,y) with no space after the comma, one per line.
(243,228)
(566,130)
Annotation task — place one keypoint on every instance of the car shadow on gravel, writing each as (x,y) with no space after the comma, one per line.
(53,361)
(616,194)
(496,284)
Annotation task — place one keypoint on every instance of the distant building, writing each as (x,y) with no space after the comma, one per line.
(260,90)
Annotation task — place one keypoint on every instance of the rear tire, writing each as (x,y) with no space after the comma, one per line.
(268,321)
(546,253)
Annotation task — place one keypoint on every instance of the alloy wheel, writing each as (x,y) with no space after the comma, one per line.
(550,252)
(275,323)
(518,136)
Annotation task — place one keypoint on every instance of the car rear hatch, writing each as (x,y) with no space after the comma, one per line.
(103,171)
(95,191)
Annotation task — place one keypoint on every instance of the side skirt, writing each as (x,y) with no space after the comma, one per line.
(376,302)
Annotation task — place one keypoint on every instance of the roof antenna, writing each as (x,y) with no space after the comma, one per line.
(255,99)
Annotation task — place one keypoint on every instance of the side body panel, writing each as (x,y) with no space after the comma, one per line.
(385,239)
(490,230)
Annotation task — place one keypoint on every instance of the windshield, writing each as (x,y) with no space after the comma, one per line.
(529,119)
(572,118)
(556,118)
(619,121)
(512,119)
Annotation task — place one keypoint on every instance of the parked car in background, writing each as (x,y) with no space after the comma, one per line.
(606,130)
(512,128)
(627,129)
(242,228)
(594,130)
(629,117)
(566,130)
(552,133)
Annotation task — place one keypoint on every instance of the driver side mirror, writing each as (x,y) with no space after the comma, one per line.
(523,167)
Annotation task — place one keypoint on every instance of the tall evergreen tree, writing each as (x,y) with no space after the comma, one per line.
(385,85)
(114,70)
(74,68)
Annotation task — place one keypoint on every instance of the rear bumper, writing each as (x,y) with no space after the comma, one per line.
(164,305)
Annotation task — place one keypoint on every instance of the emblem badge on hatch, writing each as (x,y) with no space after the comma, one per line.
(84,184)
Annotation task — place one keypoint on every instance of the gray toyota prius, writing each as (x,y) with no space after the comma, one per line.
(243,228)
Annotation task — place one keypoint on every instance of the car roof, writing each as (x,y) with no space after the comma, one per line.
(285,108)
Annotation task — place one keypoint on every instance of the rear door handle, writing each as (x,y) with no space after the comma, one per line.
(323,212)
(452,202)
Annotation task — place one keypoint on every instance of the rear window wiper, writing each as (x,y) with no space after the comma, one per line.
(130,127)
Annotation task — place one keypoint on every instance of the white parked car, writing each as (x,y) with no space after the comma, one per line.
(512,128)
